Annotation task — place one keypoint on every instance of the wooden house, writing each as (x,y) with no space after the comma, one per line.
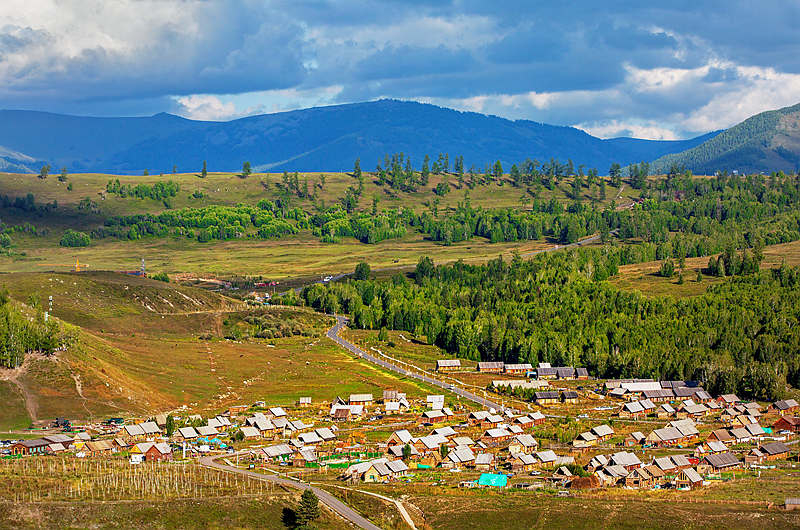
(688,478)
(491,367)
(448,365)
(787,423)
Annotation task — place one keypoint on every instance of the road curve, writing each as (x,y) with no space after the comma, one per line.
(325,498)
(333,334)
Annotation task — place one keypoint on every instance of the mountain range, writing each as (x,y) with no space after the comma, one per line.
(317,139)
(769,141)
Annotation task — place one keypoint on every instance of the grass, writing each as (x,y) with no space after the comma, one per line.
(130,359)
(644,277)
(12,414)
(489,510)
(299,255)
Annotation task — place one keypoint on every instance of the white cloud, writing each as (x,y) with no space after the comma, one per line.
(617,128)
(206,107)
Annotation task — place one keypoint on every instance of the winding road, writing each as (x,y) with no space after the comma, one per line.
(341,321)
(325,498)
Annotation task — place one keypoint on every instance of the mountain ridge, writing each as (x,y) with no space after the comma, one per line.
(327,138)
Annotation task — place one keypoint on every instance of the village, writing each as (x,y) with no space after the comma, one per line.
(559,431)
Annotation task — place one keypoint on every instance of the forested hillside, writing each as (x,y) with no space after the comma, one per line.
(740,336)
(769,141)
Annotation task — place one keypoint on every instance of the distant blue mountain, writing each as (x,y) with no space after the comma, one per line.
(316,139)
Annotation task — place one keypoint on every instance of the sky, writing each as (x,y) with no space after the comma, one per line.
(660,70)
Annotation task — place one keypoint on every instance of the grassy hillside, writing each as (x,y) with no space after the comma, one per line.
(142,346)
(769,141)
(301,254)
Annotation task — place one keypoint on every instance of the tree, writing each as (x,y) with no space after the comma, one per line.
(425,269)
(362,271)
(357,169)
(383,335)
(443,451)
(63,176)
(44,171)
(146,172)
(406,452)
(246,169)
(174,169)
(615,172)
(170,426)
(72,238)
(497,171)
(308,511)
(425,172)
(667,269)
(204,171)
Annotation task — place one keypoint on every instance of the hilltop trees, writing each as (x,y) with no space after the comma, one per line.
(246,169)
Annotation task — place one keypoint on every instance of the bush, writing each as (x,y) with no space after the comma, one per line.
(5,240)
(161,276)
(73,238)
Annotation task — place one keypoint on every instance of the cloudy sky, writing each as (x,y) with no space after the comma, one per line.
(613,68)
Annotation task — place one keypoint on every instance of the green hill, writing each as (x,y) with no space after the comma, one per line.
(767,142)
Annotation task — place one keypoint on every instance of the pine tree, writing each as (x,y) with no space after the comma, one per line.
(204,172)
(357,169)
(308,511)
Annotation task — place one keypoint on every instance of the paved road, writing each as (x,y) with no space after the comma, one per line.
(333,334)
(326,498)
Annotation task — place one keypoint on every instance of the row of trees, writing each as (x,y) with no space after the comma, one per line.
(20,334)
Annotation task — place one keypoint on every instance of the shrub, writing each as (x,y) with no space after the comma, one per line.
(73,238)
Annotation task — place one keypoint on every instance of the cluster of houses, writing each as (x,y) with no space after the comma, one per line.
(544,371)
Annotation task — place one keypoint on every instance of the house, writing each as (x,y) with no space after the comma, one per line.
(537,417)
(309,438)
(562,476)
(546,398)
(100,447)
(521,368)
(569,396)
(495,437)
(133,432)
(785,406)
(720,435)
(433,416)
(729,399)
(522,462)
(304,456)
(625,459)
(584,439)
(546,458)
(402,437)
(581,373)
(491,421)
(277,453)
(55,448)
(523,443)
(688,478)
(361,399)
(430,443)
(460,456)
(639,478)
(722,461)
(157,452)
(491,367)
(603,432)
(775,450)
(665,411)
(30,447)
(186,434)
(250,432)
(448,365)
(397,451)
(632,409)
(634,438)
(379,470)
(477,417)
(463,441)
(787,423)
(325,433)
(207,431)
(546,372)
(304,401)
(565,372)
(484,462)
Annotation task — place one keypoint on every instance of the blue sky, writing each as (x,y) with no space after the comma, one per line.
(615,68)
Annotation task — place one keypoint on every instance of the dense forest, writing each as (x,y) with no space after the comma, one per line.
(741,336)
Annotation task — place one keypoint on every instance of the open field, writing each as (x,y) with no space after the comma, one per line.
(644,276)
(486,510)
